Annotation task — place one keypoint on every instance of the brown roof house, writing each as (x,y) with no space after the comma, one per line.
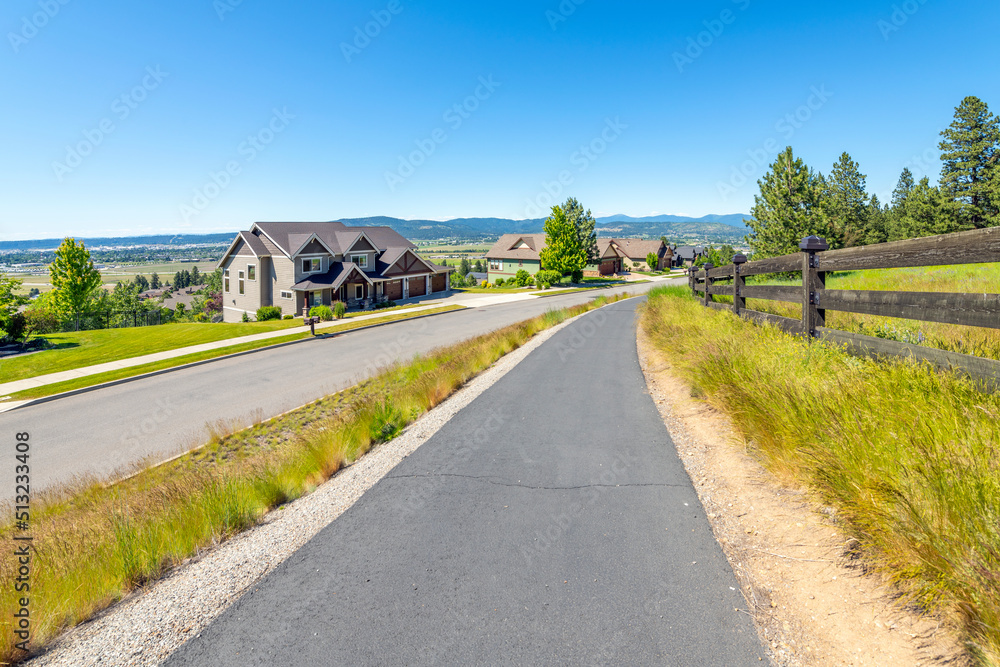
(514,252)
(297,265)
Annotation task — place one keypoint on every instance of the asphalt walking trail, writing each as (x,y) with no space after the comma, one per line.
(549,522)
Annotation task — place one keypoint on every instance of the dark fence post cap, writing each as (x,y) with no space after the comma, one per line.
(814,243)
(708,266)
(739,258)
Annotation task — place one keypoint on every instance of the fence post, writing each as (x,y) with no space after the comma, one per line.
(708,282)
(692,281)
(739,282)
(812,282)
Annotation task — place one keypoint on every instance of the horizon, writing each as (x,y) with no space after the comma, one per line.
(202,117)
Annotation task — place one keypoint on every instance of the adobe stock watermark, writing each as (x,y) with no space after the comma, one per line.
(698,44)
(582,158)
(31,25)
(363,36)
(579,333)
(248,150)
(394,351)
(758,159)
(121,108)
(562,13)
(141,429)
(455,116)
(223,7)
(899,17)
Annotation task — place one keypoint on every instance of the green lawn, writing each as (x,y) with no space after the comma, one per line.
(87,348)
(110,376)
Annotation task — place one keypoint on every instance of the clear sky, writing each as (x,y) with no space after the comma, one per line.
(201,116)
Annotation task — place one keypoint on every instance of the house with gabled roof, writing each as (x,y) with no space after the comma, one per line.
(514,252)
(298,265)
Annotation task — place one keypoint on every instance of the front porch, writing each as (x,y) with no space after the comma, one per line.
(373,291)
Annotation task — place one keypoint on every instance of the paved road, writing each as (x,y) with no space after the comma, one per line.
(549,522)
(150,419)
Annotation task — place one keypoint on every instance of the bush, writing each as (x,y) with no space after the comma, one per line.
(265,313)
(470,281)
(41,321)
(322,312)
(522,278)
(653,261)
(339,309)
(17,327)
(577,277)
(384,305)
(550,277)
(180,311)
(498,282)
(457,280)
(288,317)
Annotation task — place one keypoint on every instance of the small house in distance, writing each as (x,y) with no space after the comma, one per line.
(516,252)
(297,265)
(686,255)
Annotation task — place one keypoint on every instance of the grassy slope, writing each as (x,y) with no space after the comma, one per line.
(94,544)
(907,456)
(970,278)
(87,348)
(110,376)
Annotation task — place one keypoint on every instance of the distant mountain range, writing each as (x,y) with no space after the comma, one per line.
(710,228)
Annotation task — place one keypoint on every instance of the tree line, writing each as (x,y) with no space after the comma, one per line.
(796,201)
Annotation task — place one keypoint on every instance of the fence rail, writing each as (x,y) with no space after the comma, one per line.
(814,262)
(112,319)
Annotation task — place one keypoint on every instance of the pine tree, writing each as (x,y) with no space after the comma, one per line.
(787,209)
(196,276)
(903,188)
(142,283)
(154,281)
(846,202)
(969,150)
(186,278)
(878,222)
(928,211)
(585,226)
(479,266)
(463,267)
(178,281)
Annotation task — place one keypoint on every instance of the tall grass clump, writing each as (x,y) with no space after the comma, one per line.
(908,456)
(94,545)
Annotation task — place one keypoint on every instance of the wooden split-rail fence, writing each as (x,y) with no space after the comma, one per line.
(815,261)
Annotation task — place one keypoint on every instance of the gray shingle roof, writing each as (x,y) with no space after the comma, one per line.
(504,248)
(289,236)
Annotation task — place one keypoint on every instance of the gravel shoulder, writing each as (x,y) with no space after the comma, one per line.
(812,603)
(146,627)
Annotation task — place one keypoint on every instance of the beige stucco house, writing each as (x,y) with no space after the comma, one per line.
(297,265)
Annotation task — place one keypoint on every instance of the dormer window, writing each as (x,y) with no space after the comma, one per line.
(310,265)
(360,260)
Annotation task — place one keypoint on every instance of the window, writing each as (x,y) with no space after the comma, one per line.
(225,280)
(242,286)
(360,260)
(359,291)
(496,265)
(251,272)
(286,295)
(310,265)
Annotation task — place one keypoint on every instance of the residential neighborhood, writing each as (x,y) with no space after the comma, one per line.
(298,265)
(517,252)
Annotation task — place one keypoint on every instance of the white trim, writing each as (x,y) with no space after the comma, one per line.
(254,278)
(313,237)
(276,245)
(354,257)
(367,238)
(225,255)
(282,293)
(403,254)
(317,258)
(241,284)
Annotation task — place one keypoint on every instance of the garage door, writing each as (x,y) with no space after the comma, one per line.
(438,283)
(418,286)
(607,267)
(394,290)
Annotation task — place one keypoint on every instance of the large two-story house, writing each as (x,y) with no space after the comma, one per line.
(515,252)
(297,265)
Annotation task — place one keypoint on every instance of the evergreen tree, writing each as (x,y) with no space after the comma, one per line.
(846,202)
(903,188)
(154,281)
(585,226)
(463,267)
(563,251)
(969,150)
(74,279)
(878,222)
(787,209)
(142,283)
(479,266)
(196,276)
(186,278)
(928,211)
(178,280)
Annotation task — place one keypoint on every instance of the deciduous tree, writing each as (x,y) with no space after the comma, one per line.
(75,281)
(563,251)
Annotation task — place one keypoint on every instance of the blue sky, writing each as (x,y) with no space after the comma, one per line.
(205,115)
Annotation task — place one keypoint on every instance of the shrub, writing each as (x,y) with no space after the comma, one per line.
(522,278)
(41,321)
(550,277)
(180,311)
(470,281)
(577,276)
(457,280)
(265,313)
(384,305)
(340,309)
(322,312)
(17,327)
(652,261)
(498,282)
(288,317)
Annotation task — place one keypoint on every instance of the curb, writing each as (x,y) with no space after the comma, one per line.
(193,364)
